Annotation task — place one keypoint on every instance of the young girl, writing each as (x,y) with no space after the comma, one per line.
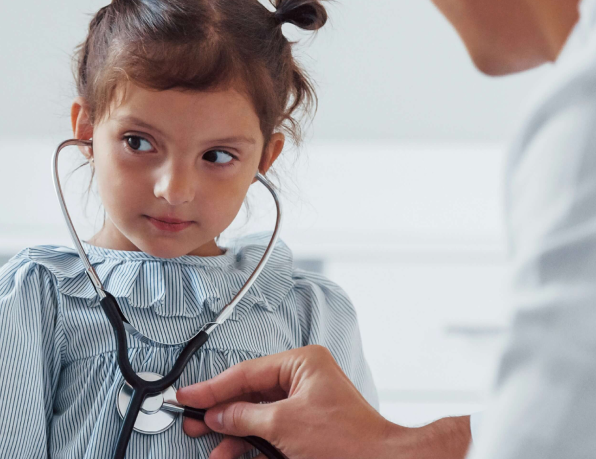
(185,101)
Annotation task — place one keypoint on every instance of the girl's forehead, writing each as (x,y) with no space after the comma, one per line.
(225,99)
(176,110)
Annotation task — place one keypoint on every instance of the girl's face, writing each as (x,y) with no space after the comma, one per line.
(173,168)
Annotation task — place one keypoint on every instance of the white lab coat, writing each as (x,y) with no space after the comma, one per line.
(545,403)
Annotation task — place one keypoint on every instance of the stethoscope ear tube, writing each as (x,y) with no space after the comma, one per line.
(71,229)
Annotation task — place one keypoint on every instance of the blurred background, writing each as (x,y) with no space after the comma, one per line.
(395,195)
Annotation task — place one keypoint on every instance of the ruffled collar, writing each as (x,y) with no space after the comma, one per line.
(173,289)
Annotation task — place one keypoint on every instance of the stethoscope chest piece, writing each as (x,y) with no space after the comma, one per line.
(152,418)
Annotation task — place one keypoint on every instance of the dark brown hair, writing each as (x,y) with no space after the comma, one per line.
(200,45)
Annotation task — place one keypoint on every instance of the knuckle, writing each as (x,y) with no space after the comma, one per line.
(274,415)
(319,353)
(235,417)
(272,418)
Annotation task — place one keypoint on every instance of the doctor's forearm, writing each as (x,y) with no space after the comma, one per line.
(447,438)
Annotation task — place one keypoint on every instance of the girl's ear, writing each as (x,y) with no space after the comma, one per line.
(81,127)
(272,151)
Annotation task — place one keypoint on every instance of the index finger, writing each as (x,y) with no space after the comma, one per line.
(265,374)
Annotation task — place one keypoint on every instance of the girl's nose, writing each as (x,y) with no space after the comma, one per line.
(176,184)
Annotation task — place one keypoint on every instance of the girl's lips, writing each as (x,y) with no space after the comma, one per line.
(169,225)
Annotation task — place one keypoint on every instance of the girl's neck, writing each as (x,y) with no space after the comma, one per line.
(109,237)
(114,240)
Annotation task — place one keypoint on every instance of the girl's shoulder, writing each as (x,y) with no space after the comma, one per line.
(282,270)
(52,263)
(28,279)
(317,295)
(30,259)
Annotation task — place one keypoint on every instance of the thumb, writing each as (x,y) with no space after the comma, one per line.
(241,419)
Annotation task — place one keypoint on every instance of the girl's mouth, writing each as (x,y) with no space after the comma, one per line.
(169,224)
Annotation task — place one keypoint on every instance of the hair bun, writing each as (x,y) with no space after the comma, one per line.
(306,14)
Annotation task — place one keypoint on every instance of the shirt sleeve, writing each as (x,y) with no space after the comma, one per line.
(545,404)
(475,420)
(29,358)
(329,319)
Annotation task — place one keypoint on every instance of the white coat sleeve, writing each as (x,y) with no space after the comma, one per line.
(545,404)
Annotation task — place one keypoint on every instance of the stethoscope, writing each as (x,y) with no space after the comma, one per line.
(147,401)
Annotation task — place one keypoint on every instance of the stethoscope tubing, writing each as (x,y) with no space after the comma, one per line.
(141,388)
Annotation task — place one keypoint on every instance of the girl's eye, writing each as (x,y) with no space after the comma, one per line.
(135,142)
(218,156)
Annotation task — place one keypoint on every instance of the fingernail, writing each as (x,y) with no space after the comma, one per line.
(219,419)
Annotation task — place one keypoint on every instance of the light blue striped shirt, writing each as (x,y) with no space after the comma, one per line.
(58,372)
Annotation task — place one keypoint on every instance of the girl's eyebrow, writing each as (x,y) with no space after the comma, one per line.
(139,122)
(225,140)
(235,139)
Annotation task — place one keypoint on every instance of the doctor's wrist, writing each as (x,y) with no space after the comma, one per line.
(447,438)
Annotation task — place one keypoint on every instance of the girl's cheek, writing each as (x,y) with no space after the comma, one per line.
(227,203)
(122,188)
(222,192)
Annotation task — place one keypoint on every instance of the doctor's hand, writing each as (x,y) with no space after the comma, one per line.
(316,412)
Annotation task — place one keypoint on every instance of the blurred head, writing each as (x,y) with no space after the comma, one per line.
(508,36)
(185,101)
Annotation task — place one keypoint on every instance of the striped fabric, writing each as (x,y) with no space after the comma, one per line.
(58,372)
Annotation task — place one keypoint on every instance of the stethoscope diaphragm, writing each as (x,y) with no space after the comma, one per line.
(152,418)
